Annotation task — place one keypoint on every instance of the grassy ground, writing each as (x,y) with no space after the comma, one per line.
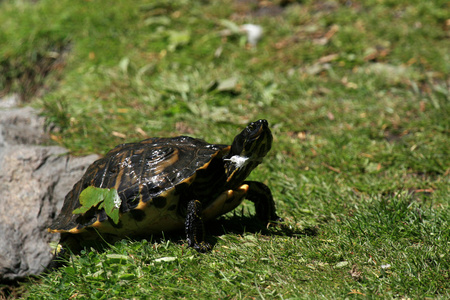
(357,96)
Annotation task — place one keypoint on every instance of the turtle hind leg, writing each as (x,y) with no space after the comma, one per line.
(61,252)
(261,196)
(195,232)
(59,259)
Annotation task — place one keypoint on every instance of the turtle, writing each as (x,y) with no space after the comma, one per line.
(167,184)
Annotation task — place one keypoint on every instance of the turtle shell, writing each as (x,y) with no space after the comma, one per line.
(152,178)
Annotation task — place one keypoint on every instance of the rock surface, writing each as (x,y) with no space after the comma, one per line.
(34,179)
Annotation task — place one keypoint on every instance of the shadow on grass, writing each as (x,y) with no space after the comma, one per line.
(248,224)
(240,225)
(237,224)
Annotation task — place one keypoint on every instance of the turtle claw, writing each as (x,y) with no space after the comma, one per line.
(277,220)
(202,247)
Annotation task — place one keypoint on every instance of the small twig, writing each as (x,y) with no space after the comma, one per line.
(331,168)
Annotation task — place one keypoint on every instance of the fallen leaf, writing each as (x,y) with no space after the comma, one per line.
(167,258)
(334,28)
(73,296)
(301,135)
(141,131)
(422,106)
(55,138)
(373,167)
(227,85)
(424,191)
(328,58)
(374,54)
(232,27)
(341,264)
(356,275)
(331,168)
(127,276)
(178,38)
(315,68)
(117,258)
(356,292)
(118,134)
(330,116)
(327,36)
(348,84)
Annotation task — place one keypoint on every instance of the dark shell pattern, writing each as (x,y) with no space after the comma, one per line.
(149,176)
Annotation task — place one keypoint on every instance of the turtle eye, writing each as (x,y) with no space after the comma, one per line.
(254,130)
(251,127)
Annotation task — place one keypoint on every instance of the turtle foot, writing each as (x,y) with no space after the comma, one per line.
(202,247)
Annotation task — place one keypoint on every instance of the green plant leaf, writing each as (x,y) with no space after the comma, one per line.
(178,38)
(117,258)
(127,276)
(233,27)
(167,258)
(229,84)
(89,197)
(112,205)
(101,198)
(341,264)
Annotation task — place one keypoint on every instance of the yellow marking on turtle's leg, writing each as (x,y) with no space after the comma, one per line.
(243,188)
(225,202)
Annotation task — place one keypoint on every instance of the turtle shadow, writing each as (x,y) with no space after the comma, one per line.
(240,225)
(236,224)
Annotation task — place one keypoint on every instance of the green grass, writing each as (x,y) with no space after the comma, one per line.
(356,94)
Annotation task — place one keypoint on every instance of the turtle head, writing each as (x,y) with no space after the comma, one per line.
(248,149)
(253,142)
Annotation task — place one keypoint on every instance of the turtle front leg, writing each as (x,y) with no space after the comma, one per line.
(261,196)
(195,234)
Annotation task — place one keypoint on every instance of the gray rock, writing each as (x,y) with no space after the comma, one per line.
(34,180)
(21,126)
(10,101)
